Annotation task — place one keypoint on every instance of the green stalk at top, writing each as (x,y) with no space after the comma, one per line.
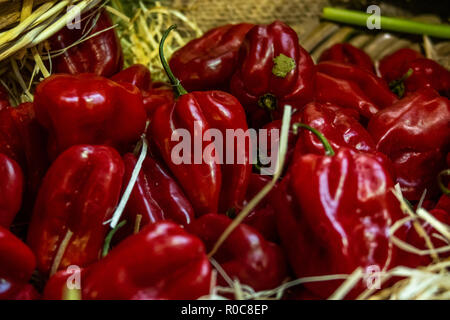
(328,148)
(179,90)
(387,23)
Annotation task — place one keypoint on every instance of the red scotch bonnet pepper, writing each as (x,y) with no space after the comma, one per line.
(154,94)
(161,262)
(101,54)
(209,185)
(273,70)
(244,255)
(334,215)
(415,134)
(349,86)
(88,109)
(24,140)
(78,194)
(156,195)
(406,71)
(346,53)
(208,62)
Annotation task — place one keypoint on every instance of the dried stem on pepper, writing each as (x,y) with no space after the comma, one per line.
(60,253)
(328,148)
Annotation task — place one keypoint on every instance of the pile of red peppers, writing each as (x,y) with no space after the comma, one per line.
(68,158)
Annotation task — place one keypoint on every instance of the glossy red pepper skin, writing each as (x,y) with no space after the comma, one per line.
(255,81)
(340,127)
(56,287)
(138,75)
(156,195)
(245,255)
(88,109)
(334,214)
(352,87)
(263,217)
(24,140)
(11,189)
(415,134)
(427,73)
(346,53)
(79,193)
(208,185)
(395,65)
(208,62)
(17,261)
(101,54)
(10,290)
(161,262)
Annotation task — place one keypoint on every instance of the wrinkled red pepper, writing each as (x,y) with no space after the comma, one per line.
(161,262)
(427,73)
(273,70)
(87,109)
(11,188)
(101,54)
(346,53)
(208,62)
(412,71)
(352,87)
(415,134)
(156,195)
(244,255)
(78,194)
(208,184)
(334,214)
(394,66)
(24,140)
(340,126)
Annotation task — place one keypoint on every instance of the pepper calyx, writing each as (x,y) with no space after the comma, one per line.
(268,102)
(282,65)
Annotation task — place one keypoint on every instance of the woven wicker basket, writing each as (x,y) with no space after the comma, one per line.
(25,25)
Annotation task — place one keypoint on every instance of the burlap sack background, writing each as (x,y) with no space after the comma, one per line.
(211,13)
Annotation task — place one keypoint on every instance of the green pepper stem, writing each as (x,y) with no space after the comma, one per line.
(328,148)
(109,237)
(179,90)
(441,175)
(387,23)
